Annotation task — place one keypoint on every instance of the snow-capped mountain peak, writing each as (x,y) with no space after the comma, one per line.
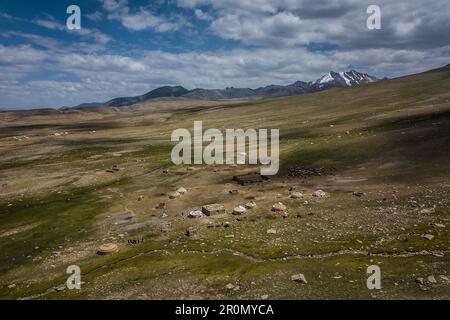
(342,79)
(326,78)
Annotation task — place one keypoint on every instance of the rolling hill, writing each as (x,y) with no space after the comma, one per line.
(74,180)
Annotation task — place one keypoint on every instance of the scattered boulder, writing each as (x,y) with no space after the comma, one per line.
(230,286)
(279,207)
(250,205)
(427,211)
(107,248)
(319,194)
(164,215)
(213,209)
(264,297)
(431,279)
(271,231)
(239,210)
(438,225)
(195,214)
(445,278)
(419,280)
(358,194)
(300,278)
(234,191)
(181,190)
(296,195)
(140,198)
(174,195)
(428,236)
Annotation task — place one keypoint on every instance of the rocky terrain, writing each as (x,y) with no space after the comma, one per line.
(363,180)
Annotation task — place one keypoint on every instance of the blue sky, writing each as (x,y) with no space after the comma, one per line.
(129,47)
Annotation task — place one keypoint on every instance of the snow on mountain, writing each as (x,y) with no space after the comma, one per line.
(326,78)
(342,79)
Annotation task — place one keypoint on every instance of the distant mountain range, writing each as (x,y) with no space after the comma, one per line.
(328,81)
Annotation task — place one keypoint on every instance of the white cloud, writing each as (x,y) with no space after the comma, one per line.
(141,19)
(94,16)
(80,64)
(253,6)
(93,33)
(203,15)
(283,28)
(42,41)
(99,77)
(406,24)
(20,55)
(51,23)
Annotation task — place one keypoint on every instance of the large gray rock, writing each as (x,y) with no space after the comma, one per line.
(296,195)
(239,210)
(279,207)
(250,205)
(174,195)
(181,190)
(300,278)
(319,194)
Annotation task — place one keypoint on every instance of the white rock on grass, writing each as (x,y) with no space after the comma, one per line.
(230,286)
(419,280)
(181,190)
(195,214)
(174,195)
(427,211)
(428,236)
(319,194)
(239,210)
(279,207)
(438,225)
(300,278)
(296,195)
(250,205)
